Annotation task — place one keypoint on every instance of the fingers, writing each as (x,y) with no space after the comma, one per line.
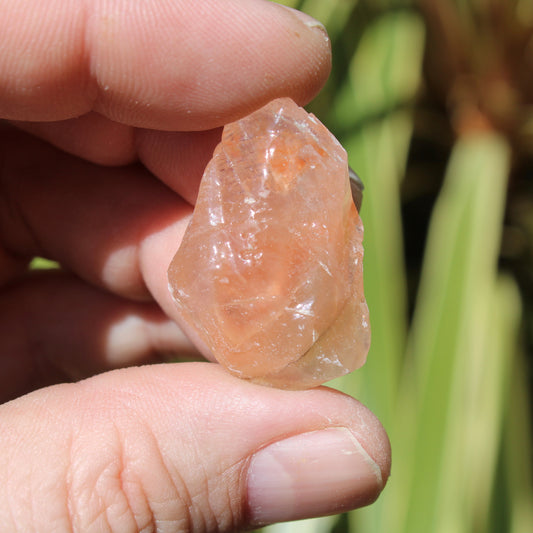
(55,328)
(172,64)
(91,137)
(95,220)
(181,448)
(176,158)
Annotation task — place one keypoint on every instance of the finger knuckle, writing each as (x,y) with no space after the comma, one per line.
(125,484)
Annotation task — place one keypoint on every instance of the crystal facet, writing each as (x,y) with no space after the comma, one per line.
(269,276)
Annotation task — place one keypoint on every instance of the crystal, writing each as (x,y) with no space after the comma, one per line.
(269,276)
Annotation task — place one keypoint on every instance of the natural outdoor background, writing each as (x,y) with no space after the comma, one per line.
(433,100)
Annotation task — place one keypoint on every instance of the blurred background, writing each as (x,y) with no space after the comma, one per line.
(433,100)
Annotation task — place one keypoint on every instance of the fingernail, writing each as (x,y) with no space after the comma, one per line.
(312,474)
(309,21)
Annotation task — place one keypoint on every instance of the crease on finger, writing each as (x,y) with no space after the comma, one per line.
(55,328)
(95,222)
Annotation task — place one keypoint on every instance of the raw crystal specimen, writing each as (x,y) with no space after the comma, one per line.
(268,278)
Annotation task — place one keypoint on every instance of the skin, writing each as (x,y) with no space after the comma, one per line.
(112,110)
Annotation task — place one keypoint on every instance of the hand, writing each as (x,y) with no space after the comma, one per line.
(114,108)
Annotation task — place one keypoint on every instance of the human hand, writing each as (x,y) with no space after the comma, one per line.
(135,92)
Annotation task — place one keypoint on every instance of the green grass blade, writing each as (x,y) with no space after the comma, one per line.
(334,14)
(289,3)
(384,74)
(448,330)
(40,263)
(518,451)
(473,437)
(378,151)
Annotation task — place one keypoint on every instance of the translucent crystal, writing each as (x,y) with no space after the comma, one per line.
(268,278)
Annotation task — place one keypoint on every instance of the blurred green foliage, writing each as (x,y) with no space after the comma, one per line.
(433,101)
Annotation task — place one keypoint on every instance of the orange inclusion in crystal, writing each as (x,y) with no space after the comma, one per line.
(268,277)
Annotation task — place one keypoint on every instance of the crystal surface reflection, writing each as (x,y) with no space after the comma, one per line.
(269,276)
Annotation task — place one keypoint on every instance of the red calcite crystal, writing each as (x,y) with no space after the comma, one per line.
(269,276)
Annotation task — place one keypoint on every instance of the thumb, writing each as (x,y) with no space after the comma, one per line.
(180,448)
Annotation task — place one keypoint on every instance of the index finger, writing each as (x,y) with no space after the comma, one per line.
(166,64)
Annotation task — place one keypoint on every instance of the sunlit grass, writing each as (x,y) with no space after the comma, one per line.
(42,263)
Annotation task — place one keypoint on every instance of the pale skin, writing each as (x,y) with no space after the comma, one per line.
(111,111)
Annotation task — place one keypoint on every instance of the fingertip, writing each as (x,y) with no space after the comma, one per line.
(311,474)
(374,439)
(185,65)
(249,454)
(212,63)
